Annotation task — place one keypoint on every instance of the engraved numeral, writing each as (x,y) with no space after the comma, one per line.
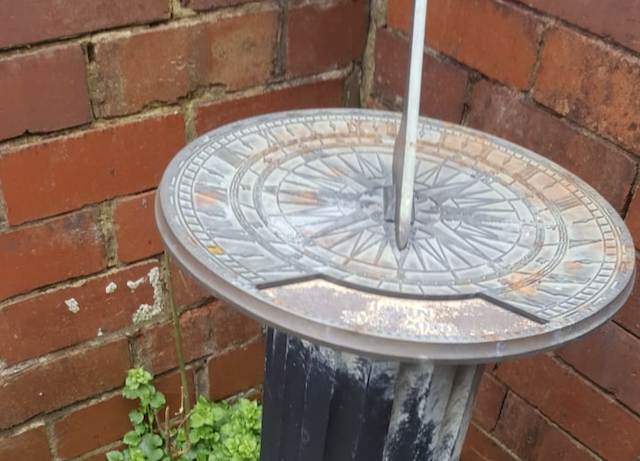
(566,203)
(528,172)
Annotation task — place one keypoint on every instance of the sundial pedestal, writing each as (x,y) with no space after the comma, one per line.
(321,404)
(375,352)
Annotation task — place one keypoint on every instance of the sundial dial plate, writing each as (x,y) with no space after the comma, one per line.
(283,216)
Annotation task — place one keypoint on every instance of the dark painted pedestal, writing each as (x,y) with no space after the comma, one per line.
(326,405)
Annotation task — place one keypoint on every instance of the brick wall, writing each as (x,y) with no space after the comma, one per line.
(561,78)
(95,99)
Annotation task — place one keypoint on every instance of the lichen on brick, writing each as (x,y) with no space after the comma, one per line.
(111,288)
(147,312)
(72,305)
(134,284)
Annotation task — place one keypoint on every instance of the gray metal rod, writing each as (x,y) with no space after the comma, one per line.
(404,152)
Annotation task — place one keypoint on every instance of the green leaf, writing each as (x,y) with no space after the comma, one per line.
(150,446)
(137,455)
(136,417)
(115,456)
(157,401)
(131,438)
(197,420)
(219,431)
(219,413)
(131,394)
(194,437)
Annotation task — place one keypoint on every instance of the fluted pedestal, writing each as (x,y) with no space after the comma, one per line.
(322,404)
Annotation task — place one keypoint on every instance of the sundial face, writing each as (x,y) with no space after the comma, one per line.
(283,215)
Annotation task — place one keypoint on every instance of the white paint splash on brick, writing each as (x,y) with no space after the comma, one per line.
(154,280)
(147,312)
(72,305)
(133,285)
(111,288)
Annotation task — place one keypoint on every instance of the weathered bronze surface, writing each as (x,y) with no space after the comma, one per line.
(283,216)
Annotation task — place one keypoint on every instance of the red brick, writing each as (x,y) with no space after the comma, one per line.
(619,23)
(595,419)
(187,290)
(91,427)
(502,113)
(375,105)
(203,5)
(443,85)
(58,382)
(592,84)
(323,37)
(489,402)
(610,357)
(532,437)
(102,455)
(629,315)
(497,39)
(400,15)
(43,91)
(19,24)
(231,327)
(49,252)
(237,370)
(88,168)
(253,394)
(43,323)
(156,346)
(171,386)
(31,445)
(314,95)
(479,446)
(104,422)
(232,51)
(135,226)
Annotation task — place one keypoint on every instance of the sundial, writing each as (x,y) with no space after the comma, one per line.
(505,247)
(396,240)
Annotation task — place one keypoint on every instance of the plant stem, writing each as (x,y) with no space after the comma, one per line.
(178,338)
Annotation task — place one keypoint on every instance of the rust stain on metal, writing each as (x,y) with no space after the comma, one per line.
(208,198)
(216,250)
(573,265)
(308,196)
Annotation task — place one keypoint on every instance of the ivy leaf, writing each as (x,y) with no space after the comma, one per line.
(197,420)
(157,401)
(131,438)
(136,417)
(130,393)
(115,456)
(137,455)
(150,446)
(194,437)
(219,413)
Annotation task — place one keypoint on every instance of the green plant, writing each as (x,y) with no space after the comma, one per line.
(211,431)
